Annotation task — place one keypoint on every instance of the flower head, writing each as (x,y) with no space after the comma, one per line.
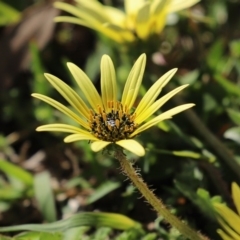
(140,19)
(104,119)
(230,221)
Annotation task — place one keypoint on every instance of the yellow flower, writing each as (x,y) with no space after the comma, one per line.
(103,119)
(140,19)
(230,221)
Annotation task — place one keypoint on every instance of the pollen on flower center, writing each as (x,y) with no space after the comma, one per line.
(112,124)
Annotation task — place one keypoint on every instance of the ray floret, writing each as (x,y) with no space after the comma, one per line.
(228,219)
(139,20)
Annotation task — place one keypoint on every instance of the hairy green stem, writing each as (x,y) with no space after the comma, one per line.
(156,203)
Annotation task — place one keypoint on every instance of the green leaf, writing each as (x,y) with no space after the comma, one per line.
(75,233)
(233,134)
(8,14)
(219,12)
(230,87)
(150,236)
(190,77)
(78,181)
(50,236)
(204,195)
(234,115)
(9,192)
(235,48)
(27,236)
(112,220)
(5,238)
(44,196)
(202,199)
(209,103)
(103,190)
(92,64)
(102,233)
(38,236)
(133,234)
(187,154)
(215,53)
(40,83)
(16,172)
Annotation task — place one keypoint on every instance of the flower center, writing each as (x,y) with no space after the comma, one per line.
(113,124)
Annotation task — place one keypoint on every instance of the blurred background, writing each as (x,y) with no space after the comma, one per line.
(189,159)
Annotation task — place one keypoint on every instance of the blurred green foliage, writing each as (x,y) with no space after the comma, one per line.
(8,15)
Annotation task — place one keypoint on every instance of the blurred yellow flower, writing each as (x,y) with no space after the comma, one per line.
(230,221)
(103,119)
(140,19)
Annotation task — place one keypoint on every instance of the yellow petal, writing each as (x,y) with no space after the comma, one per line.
(133,82)
(78,137)
(117,16)
(69,94)
(58,127)
(132,6)
(236,196)
(158,6)
(229,216)
(90,11)
(88,17)
(94,8)
(177,5)
(143,28)
(154,91)
(148,111)
(73,20)
(62,109)
(132,146)
(99,145)
(124,34)
(229,230)
(108,81)
(223,235)
(166,115)
(159,12)
(86,86)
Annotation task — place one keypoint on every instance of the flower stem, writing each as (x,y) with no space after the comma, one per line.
(156,203)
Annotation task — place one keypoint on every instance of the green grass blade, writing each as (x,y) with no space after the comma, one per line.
(16,172)
(4,238)
(44,196)
(112,220)
(103,190)
(37,236)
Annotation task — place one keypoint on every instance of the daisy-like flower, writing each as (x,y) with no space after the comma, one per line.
(103,119)
(140,19)
(230,221)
